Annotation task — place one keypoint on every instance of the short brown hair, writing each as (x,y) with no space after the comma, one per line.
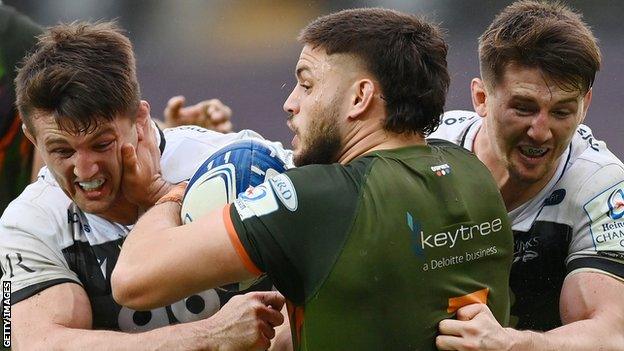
(83,73)
(546,35)
(405,53)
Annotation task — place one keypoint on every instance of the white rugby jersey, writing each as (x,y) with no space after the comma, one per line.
(45,239)
(575,223)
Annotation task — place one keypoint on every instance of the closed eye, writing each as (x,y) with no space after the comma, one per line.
(62,152)
(103,145)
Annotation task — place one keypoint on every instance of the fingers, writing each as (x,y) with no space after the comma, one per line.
(217,111)
(445,342)
(172,111)
(273,317)
(217,116)
(468,312)
(272,298)
(451,327)
(129,158)
(225,127)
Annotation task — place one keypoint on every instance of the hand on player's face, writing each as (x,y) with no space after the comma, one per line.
(141,181)
(210,114)
(247,321)
(474,329)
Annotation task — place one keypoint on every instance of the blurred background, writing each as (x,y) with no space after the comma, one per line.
(244,52)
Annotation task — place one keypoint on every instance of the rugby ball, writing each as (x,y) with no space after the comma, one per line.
(229,172)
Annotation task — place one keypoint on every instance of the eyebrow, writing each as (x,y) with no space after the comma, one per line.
(303,69)
(523,98)
(57,140)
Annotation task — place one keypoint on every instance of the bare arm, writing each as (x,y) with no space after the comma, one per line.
(590,306)
(59,318)
(593,313)
(192,258)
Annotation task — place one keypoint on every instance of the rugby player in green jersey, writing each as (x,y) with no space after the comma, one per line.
(380,234)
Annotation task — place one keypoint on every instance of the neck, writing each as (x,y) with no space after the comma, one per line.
(369,137)
(514,191)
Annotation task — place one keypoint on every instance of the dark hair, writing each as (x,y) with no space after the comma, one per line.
(82,73)
(546,35)
(405,53)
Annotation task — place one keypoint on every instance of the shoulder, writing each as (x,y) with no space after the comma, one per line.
(591,168)
(40,210)
(453,125)
(332,175)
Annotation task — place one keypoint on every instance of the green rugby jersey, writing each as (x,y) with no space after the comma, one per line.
(373,254)
(17,35)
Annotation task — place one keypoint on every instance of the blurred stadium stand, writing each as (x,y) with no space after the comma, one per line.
(244,52)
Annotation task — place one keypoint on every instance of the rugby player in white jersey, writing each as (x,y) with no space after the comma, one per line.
(60,239)
(562,187)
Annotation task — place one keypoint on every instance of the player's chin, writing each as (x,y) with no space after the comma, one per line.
(530,175)
(97,206)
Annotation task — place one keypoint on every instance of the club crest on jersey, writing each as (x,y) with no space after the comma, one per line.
(606,214)
(285,190)
(441,170)
(616,204)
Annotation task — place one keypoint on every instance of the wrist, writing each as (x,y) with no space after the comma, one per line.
(521,340)
(174,193)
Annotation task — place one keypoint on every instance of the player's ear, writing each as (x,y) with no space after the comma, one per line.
(478,94)
(29,135)
(586,101)
(362,97)
(142,118)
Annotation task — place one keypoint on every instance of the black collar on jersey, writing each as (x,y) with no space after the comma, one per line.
(162,144)
(463,138)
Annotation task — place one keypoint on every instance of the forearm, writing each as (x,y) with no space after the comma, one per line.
(589,334)
(137,273)
(136,246)
(187,336)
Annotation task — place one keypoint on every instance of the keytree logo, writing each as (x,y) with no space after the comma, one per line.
(414,227)
(6,314)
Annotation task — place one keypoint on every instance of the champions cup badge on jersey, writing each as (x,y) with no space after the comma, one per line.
(606,214)
(441,170)
(616,204)
(253,193)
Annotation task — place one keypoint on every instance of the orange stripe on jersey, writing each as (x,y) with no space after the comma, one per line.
(479,296)
(296,317)
(238,246)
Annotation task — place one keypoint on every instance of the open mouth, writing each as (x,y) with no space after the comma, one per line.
(533,152)
(93,185)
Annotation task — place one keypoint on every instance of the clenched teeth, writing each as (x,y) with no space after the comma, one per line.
(94,184)
(533,151)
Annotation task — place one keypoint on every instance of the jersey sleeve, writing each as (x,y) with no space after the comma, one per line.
(294,226)
(30,257)
(598,236)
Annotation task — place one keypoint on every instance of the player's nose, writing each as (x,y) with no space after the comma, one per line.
(85,165)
